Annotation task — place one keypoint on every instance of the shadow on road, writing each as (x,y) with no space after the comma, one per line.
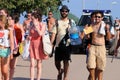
(23,65)
(20,78)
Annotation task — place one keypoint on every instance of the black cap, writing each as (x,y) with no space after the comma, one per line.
(64,7)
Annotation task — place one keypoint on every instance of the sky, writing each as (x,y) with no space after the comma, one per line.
(76,6)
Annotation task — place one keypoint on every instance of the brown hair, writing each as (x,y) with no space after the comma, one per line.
(4,20)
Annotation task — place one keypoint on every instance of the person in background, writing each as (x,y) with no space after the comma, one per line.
(97,52)
(64,54)
(50,21)
(26,24)
(117,28)
(4,12)
(18,33)
(6,47)
(37,30)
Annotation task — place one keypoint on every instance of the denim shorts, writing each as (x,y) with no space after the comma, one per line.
(4,52)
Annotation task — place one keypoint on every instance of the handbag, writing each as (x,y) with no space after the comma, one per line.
(47,46)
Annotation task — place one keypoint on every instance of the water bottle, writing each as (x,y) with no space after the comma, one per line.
(74,35)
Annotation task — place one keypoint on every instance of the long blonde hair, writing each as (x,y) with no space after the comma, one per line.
(3,19)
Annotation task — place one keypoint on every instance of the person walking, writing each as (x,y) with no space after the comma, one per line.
(96,61)
(37,30)
(62,55)
(26,24)
(50,21)
(18,34)
(117,28)
(6,47)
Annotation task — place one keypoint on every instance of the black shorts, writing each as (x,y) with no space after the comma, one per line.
(17,54)
(62,54)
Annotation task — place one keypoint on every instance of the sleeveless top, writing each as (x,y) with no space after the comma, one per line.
(4,38)
(18,34)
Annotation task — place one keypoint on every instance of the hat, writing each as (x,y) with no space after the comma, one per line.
(64,7)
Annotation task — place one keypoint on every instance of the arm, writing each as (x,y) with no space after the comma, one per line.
(11,40)
(52,38)
(24,26)
(22,30)
(108,34)
(82,34)
(43,28)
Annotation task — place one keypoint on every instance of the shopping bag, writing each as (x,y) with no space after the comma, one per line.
(25,54)
(47,46)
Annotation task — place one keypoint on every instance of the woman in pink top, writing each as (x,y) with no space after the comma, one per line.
(37,29)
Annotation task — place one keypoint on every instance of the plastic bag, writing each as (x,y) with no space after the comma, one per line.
(25,54)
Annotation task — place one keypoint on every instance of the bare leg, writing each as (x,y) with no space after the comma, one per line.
(58,66)
(13,63)
(92,74)
(89,77)
(39,69)
(0,70)
(66,69)
(100,74)
(32,66)
(115,52)
(5,68)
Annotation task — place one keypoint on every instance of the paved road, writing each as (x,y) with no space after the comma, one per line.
(77,71)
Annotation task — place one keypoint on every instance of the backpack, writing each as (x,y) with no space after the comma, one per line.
(75,40)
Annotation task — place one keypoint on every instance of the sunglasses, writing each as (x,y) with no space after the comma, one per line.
(49,14)
(97,16)
(64,11)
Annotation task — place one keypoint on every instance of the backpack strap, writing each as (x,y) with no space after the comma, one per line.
(70,22)
(57,24)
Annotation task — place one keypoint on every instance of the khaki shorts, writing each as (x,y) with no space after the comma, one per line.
(97,57)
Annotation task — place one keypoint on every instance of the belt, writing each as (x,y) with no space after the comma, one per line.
(96,44)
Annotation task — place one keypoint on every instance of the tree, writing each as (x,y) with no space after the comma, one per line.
(19,6)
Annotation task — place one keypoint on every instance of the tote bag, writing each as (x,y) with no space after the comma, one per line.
(47,46)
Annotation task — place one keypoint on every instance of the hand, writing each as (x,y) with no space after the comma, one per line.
(11,56)
(86,26)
